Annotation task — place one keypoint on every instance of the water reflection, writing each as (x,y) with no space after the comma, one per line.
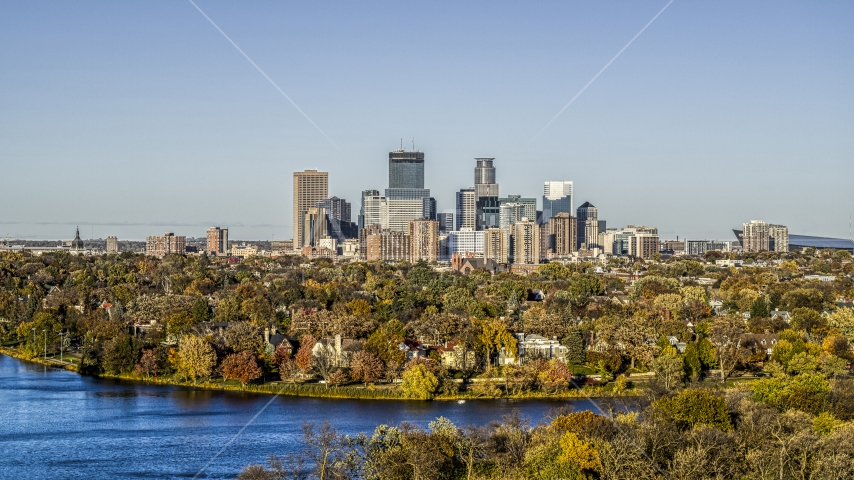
(57,424)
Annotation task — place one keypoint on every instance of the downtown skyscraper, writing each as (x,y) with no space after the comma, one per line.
(310,187)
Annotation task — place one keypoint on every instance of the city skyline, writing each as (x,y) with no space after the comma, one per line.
(712,115)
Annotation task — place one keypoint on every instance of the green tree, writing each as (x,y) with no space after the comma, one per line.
(574,343)
(200,310)
(196,358)
(694,407)
(120,355)
(759,308)
(691,361)
(419,382)
(843,319)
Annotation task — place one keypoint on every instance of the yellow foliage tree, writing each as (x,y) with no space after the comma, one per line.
(575,451)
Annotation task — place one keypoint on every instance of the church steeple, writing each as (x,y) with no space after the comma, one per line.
(77,244)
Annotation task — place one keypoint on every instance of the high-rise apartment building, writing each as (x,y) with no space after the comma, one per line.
(526,242)
(160,246)
(496,245)
(217,241)
(310,187)
(484,179)
(424,240)
(446,221)
(778,238)
(112,245)
(591,234)
(557,198)
(643,245)
(756,236)
(364,233)
(467,242)
(547,241)
(405,169)
(585,212)
(387,246)
(466,209)
(562,226)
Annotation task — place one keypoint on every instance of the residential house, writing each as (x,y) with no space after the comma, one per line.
(781,314)
(759,341)
(454,356)
(531,347)
(675,343)
(340,349)
(412,348)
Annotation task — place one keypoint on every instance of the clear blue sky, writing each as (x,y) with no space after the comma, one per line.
(136,118)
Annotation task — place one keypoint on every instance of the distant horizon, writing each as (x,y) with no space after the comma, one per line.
(234,228)
(689,117)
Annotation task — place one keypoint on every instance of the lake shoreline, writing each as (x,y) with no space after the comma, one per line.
(317,390)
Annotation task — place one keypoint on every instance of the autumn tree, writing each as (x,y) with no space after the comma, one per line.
(195,358)
(147,364)
(725,334)
(419,382)
(241,366)
(305,355)
(366,367)
(492,335)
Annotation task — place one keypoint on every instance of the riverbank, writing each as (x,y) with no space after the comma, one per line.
(317,390)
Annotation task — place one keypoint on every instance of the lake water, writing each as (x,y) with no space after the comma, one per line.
(58,424)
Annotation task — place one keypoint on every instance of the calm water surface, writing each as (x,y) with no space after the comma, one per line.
(57,424)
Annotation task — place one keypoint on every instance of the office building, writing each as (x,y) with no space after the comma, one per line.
(112,245)
(487,213)
(338,214)
(467,242)
(368,194)
(585,212)
(387,245)
(529,204)
(509,214)
(314,226)
(446,221)
(444,255)
(160,246)
(217,241)
(484,179)
(557,198)
(405,169)
(336,208)
(310,187)
(244,251)
(700,247)
(756,238)
(526,242)
(496,245)
(562,226)
(424,240)
(778,238)
(466,209)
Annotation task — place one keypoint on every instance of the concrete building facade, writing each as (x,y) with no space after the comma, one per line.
(310,187)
